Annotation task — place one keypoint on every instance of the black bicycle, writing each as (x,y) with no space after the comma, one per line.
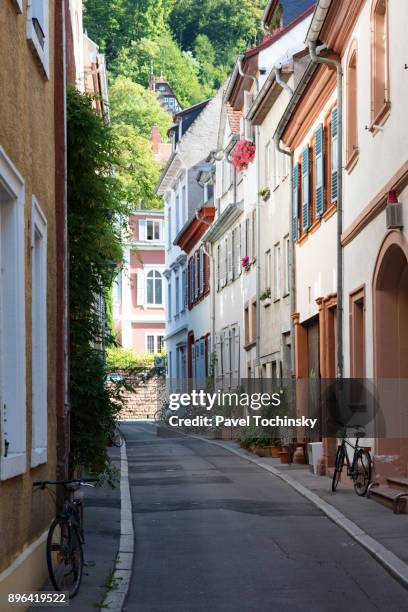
(359,469)
(65,557)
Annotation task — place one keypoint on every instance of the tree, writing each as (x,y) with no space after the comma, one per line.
(135,61)
(211,76)
(95,208)
(137,169)
(138,107)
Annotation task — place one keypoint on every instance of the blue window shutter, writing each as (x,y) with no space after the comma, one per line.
(334,157)
(319,152)
(305,188)
(295,202)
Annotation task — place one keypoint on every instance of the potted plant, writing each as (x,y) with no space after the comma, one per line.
(245,262)
(276,449)
(265,295)
(265,194)
(243,154)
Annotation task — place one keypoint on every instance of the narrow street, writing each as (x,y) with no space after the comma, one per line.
(215,532)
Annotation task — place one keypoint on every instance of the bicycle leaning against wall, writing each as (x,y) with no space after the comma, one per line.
(359,469)
(65,557)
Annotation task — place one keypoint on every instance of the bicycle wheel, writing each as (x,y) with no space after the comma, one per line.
(338,467)
(64,556)
(362,472)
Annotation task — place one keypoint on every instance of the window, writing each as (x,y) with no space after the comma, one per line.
(218,267)
(154,288)
(160,344)
(153,230)
(286,254)
(184,289)
(19,5)
(12,322)
(253,234)
(246,325)
(184,203)
(177,213)
(117,289)
(38,31)
(268,269)
(150,343)
(169,308)
(253,321)
(277,272)
(352,128)
(379,61)
(177,289)
(39,336)
(169,228)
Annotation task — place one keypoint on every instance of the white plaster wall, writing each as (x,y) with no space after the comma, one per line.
(316,257)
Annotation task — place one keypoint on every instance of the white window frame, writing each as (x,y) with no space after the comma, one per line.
(147,336)
(13,415)
(277,291)
(42,52)
(155,222)
(146,273)
(286,253)
(39,336)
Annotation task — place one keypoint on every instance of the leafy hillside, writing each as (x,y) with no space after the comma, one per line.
(193,43)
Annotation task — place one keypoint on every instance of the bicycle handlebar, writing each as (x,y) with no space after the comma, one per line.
(44,483)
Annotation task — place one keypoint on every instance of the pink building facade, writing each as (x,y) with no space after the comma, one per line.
(138,293)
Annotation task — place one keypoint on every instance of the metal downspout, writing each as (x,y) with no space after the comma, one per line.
(337,65)
(292,268)
(258,224)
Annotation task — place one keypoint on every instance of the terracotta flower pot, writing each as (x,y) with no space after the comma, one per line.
(284,457)
(260,451)
(276,451)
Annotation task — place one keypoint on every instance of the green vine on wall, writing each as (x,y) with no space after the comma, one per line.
(96,217)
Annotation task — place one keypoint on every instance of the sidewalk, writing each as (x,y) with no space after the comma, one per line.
(383,533)
(102,513)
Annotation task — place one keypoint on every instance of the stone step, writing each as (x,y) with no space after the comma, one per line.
(385,495)
(398,482)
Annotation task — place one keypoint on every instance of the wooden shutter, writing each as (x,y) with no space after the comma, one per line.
(229,256)
(319,156)
(140,288)
(196,275)
(202,284)
(236,355)
(295,211)
(334,155)
(305,188)
(218,267)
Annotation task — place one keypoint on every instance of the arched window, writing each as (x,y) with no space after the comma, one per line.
(352,124)
(379,61)
(154,288)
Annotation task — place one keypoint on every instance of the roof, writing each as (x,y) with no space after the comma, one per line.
(195,227)
(229,215)
(234,118)
(291,9)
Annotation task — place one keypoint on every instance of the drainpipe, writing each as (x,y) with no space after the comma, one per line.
(337,65)
(292,268)
(258,223)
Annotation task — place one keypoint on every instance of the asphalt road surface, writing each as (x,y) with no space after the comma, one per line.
(215,533)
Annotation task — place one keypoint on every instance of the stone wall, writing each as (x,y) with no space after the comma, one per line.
(147,397)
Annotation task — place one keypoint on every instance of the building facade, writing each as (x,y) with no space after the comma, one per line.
(138,292)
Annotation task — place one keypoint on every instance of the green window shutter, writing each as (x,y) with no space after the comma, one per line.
(334,157)
(319,153)
(305,188)
(295,202)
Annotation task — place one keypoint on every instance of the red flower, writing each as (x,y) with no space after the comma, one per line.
(245,261)
(243,154)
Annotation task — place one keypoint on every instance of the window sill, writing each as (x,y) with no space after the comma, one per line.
(41,53)
(19,6)
(329,212)
(277,299)
(380,118)
(13,465)
(352,160)
(266,303)
(247,347)
(38,456)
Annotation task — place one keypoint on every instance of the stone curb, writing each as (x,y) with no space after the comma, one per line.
(115,599)
(393,564)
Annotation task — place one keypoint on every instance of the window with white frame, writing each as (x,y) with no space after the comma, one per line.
(169,305)
(154,288)
(117,289)
(286,254)
(184,302)
(177,289)
(184,203)
(177,213)
(13,460)
(153,229)
(39,335)
(150,343)
(268,269)
(38,31)
(160,344)
(277,272)
(169,228)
